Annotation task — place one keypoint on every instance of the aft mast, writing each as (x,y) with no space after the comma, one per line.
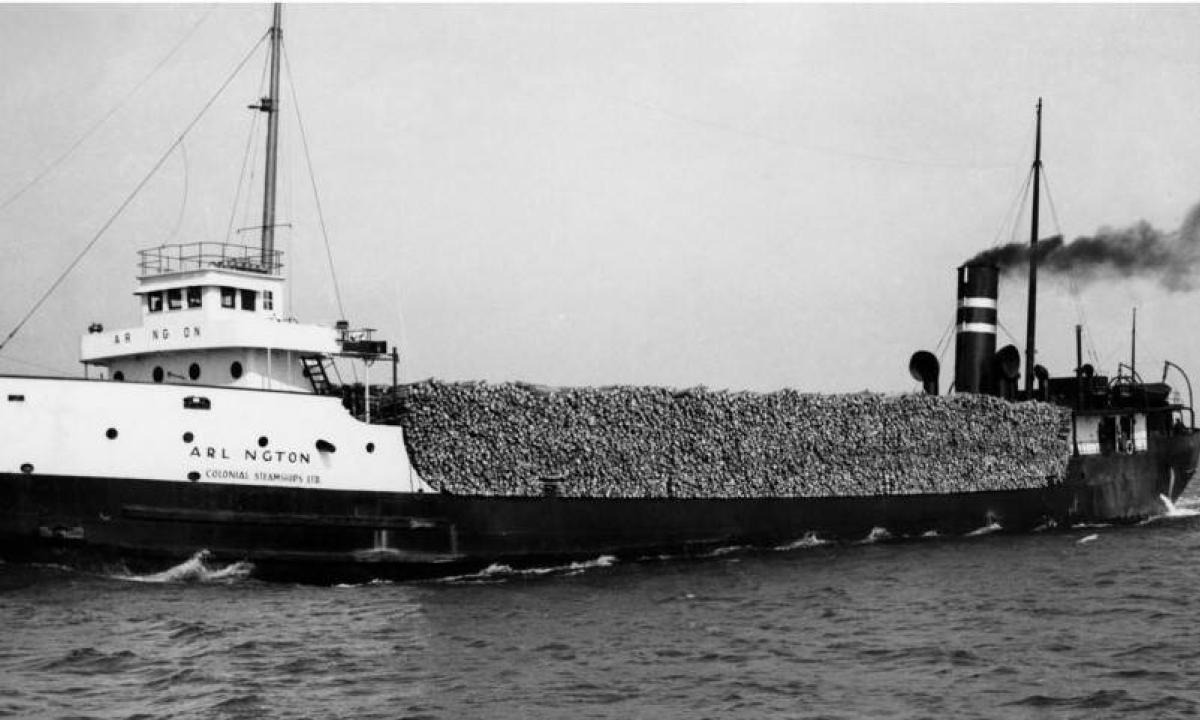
(1031,324)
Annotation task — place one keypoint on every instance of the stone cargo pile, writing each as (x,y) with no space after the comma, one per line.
(636,442)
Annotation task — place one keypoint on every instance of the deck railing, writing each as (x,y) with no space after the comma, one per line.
(201,255)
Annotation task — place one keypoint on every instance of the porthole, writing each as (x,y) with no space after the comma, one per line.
(262,441)
(193,476)
(194,371)
(27,468)
(111,433)
(235,369)
(188,436)
(370,447)
(118,376)
(158,374)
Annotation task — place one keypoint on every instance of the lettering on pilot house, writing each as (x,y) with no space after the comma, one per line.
(190,331)
(267,456)
(165,334)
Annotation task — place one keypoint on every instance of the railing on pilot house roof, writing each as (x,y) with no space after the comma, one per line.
(166,259)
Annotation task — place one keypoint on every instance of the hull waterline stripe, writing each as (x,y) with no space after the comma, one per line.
(170,514)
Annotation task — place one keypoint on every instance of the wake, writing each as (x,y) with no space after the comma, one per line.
(196,569)
(498,572)
(1174,511)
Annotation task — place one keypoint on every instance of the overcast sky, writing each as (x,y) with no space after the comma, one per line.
(741,196)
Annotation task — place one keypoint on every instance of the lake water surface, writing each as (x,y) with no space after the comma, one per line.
(1091,622)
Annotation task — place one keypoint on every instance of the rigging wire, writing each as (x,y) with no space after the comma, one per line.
(248,209)
(1006,332)
(246,160)
(292,238)
(1016,207)
(312,179)
(56,371)
(480,68)
(941,351)
(770,139)
(108,223)
(1073,279)
(1050,202)
(183,204)
(945,338)
(237,194)
(103,119)
(1016,211)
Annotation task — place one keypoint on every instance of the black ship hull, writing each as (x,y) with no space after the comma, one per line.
(333,536)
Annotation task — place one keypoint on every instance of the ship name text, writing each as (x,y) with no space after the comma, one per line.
(293,457)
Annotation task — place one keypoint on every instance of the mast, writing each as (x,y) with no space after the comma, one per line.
(270,105)
(1031,323)
(1133,347)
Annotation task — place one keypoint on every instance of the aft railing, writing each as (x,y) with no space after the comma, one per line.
(202,255)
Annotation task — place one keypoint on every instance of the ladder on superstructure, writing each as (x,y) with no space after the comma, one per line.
(315,371)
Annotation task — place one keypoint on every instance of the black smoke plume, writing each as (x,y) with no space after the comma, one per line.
(1139,250)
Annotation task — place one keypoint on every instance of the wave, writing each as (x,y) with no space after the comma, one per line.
(877,534)
(90,661)
(1087,539)
(1100,700)
(498,572)
(196,569)
(988,529)
(727,550)
(810,539)
(374,582)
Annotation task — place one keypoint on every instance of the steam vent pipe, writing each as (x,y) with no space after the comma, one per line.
(975,343)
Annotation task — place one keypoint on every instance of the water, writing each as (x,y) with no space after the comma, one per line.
(1091,622)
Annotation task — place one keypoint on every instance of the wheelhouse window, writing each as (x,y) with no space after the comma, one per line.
(174,299)
(268,300)
(248,299)
(154,302)
(228,297)
(195,296)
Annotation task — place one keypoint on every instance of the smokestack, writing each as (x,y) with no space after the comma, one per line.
(975,343)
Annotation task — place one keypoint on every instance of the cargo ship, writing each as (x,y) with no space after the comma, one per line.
(217,426)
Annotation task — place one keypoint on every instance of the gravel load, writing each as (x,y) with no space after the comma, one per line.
(637,442)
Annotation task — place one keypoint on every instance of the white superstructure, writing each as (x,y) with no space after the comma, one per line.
(215,386)
(211,314)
